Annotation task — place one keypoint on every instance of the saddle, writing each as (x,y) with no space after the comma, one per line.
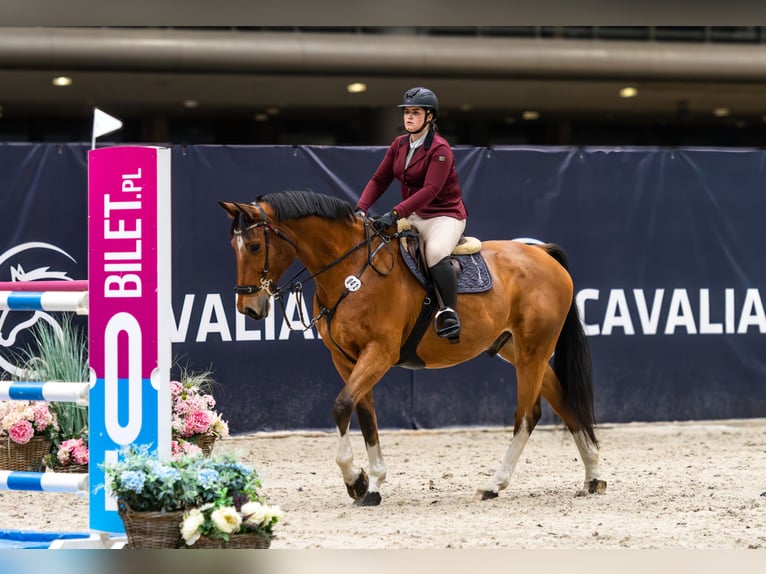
(467,262)
(472,277)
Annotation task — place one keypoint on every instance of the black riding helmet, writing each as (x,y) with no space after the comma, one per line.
(422,98)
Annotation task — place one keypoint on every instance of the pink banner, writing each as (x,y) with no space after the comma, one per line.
(128,279)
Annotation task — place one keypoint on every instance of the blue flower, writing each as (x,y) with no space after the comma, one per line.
(134,480)
(208,477)
(167,475)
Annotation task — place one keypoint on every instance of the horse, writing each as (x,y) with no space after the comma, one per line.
(367,301)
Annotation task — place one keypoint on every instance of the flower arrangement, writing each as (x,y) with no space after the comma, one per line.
(219,496)
(60,353)
(223,518)
(73,451)
(193,410)
(147,484)
(21,420)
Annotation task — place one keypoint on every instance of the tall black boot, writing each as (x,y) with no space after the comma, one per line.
(446,322)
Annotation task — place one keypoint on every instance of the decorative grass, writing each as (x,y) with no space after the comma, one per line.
(60,353)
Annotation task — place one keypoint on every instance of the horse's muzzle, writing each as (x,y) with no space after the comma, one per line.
(254,306)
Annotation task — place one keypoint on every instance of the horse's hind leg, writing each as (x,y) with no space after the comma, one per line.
(554,394)
(527,415)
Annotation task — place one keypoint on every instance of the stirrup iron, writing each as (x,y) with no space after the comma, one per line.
(450,331)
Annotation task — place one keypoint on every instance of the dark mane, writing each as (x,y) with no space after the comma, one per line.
(294,204)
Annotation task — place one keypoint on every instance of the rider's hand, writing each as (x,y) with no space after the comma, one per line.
(386,220)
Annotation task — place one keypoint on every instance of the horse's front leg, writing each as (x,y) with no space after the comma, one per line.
(368,422)
(357,396)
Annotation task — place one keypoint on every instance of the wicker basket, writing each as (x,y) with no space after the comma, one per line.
(151,529)
(29,456)
(71,468)
(204,441)
(235,541)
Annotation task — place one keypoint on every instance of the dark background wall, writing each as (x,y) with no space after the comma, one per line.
(665,245)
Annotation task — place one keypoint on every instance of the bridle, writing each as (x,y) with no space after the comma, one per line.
(265,283)
(294,285)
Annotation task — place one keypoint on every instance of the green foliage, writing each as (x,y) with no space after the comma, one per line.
(60,354)
(147,484)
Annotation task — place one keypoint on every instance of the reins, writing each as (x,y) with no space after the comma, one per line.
(295,285)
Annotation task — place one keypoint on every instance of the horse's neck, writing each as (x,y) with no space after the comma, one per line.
(321,243)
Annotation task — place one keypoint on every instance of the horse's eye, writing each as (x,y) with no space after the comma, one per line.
(254,248)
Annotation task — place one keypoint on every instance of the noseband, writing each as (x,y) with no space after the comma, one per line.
(265,283)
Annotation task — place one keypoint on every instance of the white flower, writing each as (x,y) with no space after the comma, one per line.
(274,512)
(191,526)
(226,519)
(254,513)
(221,427)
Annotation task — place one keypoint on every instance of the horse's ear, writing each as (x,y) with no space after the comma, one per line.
(230,208)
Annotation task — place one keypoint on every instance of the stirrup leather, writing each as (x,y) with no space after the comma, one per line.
(447,323)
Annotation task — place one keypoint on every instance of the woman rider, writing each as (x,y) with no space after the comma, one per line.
(423,162)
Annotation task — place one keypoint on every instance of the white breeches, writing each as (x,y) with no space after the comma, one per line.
(440,235)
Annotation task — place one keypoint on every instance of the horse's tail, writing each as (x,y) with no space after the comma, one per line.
(572,361)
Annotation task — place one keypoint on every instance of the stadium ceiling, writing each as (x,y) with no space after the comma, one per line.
(238,73)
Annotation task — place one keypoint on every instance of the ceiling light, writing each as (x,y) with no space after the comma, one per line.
(261,117)
(272,111)
(530,115)
(62,81)
(356,88)
(628,92)
(191,104)
(721,112)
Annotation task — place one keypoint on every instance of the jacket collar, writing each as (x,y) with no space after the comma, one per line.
(426,144)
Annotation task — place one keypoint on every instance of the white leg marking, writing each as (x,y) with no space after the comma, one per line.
(377,471)
(345,459)
(589,455)
(503,474)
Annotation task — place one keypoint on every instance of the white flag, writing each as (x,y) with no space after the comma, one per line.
(104,124)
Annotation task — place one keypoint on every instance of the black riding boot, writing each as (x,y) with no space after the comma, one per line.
(446,322)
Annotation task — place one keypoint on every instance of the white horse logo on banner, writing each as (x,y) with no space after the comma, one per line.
(10,329)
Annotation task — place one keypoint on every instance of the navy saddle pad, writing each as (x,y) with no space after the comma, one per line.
(474,275)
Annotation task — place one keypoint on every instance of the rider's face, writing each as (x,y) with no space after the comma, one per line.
(414,118)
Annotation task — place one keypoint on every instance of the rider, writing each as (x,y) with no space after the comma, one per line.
(432,201)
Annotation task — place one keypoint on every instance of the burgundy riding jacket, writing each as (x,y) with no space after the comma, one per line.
(429,184)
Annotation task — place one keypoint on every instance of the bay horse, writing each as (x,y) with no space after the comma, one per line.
(367,302)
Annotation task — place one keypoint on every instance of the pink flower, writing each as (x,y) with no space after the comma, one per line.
(21,432)
(80,454)
(197,422)
(182,447)
(42,416)
(74,451)
(64,456)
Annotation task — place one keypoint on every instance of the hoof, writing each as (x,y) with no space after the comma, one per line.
(596,486)
(370,499)
(359,488)
(485,495)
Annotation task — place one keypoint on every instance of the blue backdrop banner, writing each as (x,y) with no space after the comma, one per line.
(666,248)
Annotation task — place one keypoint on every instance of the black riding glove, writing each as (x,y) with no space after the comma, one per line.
(386,220)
